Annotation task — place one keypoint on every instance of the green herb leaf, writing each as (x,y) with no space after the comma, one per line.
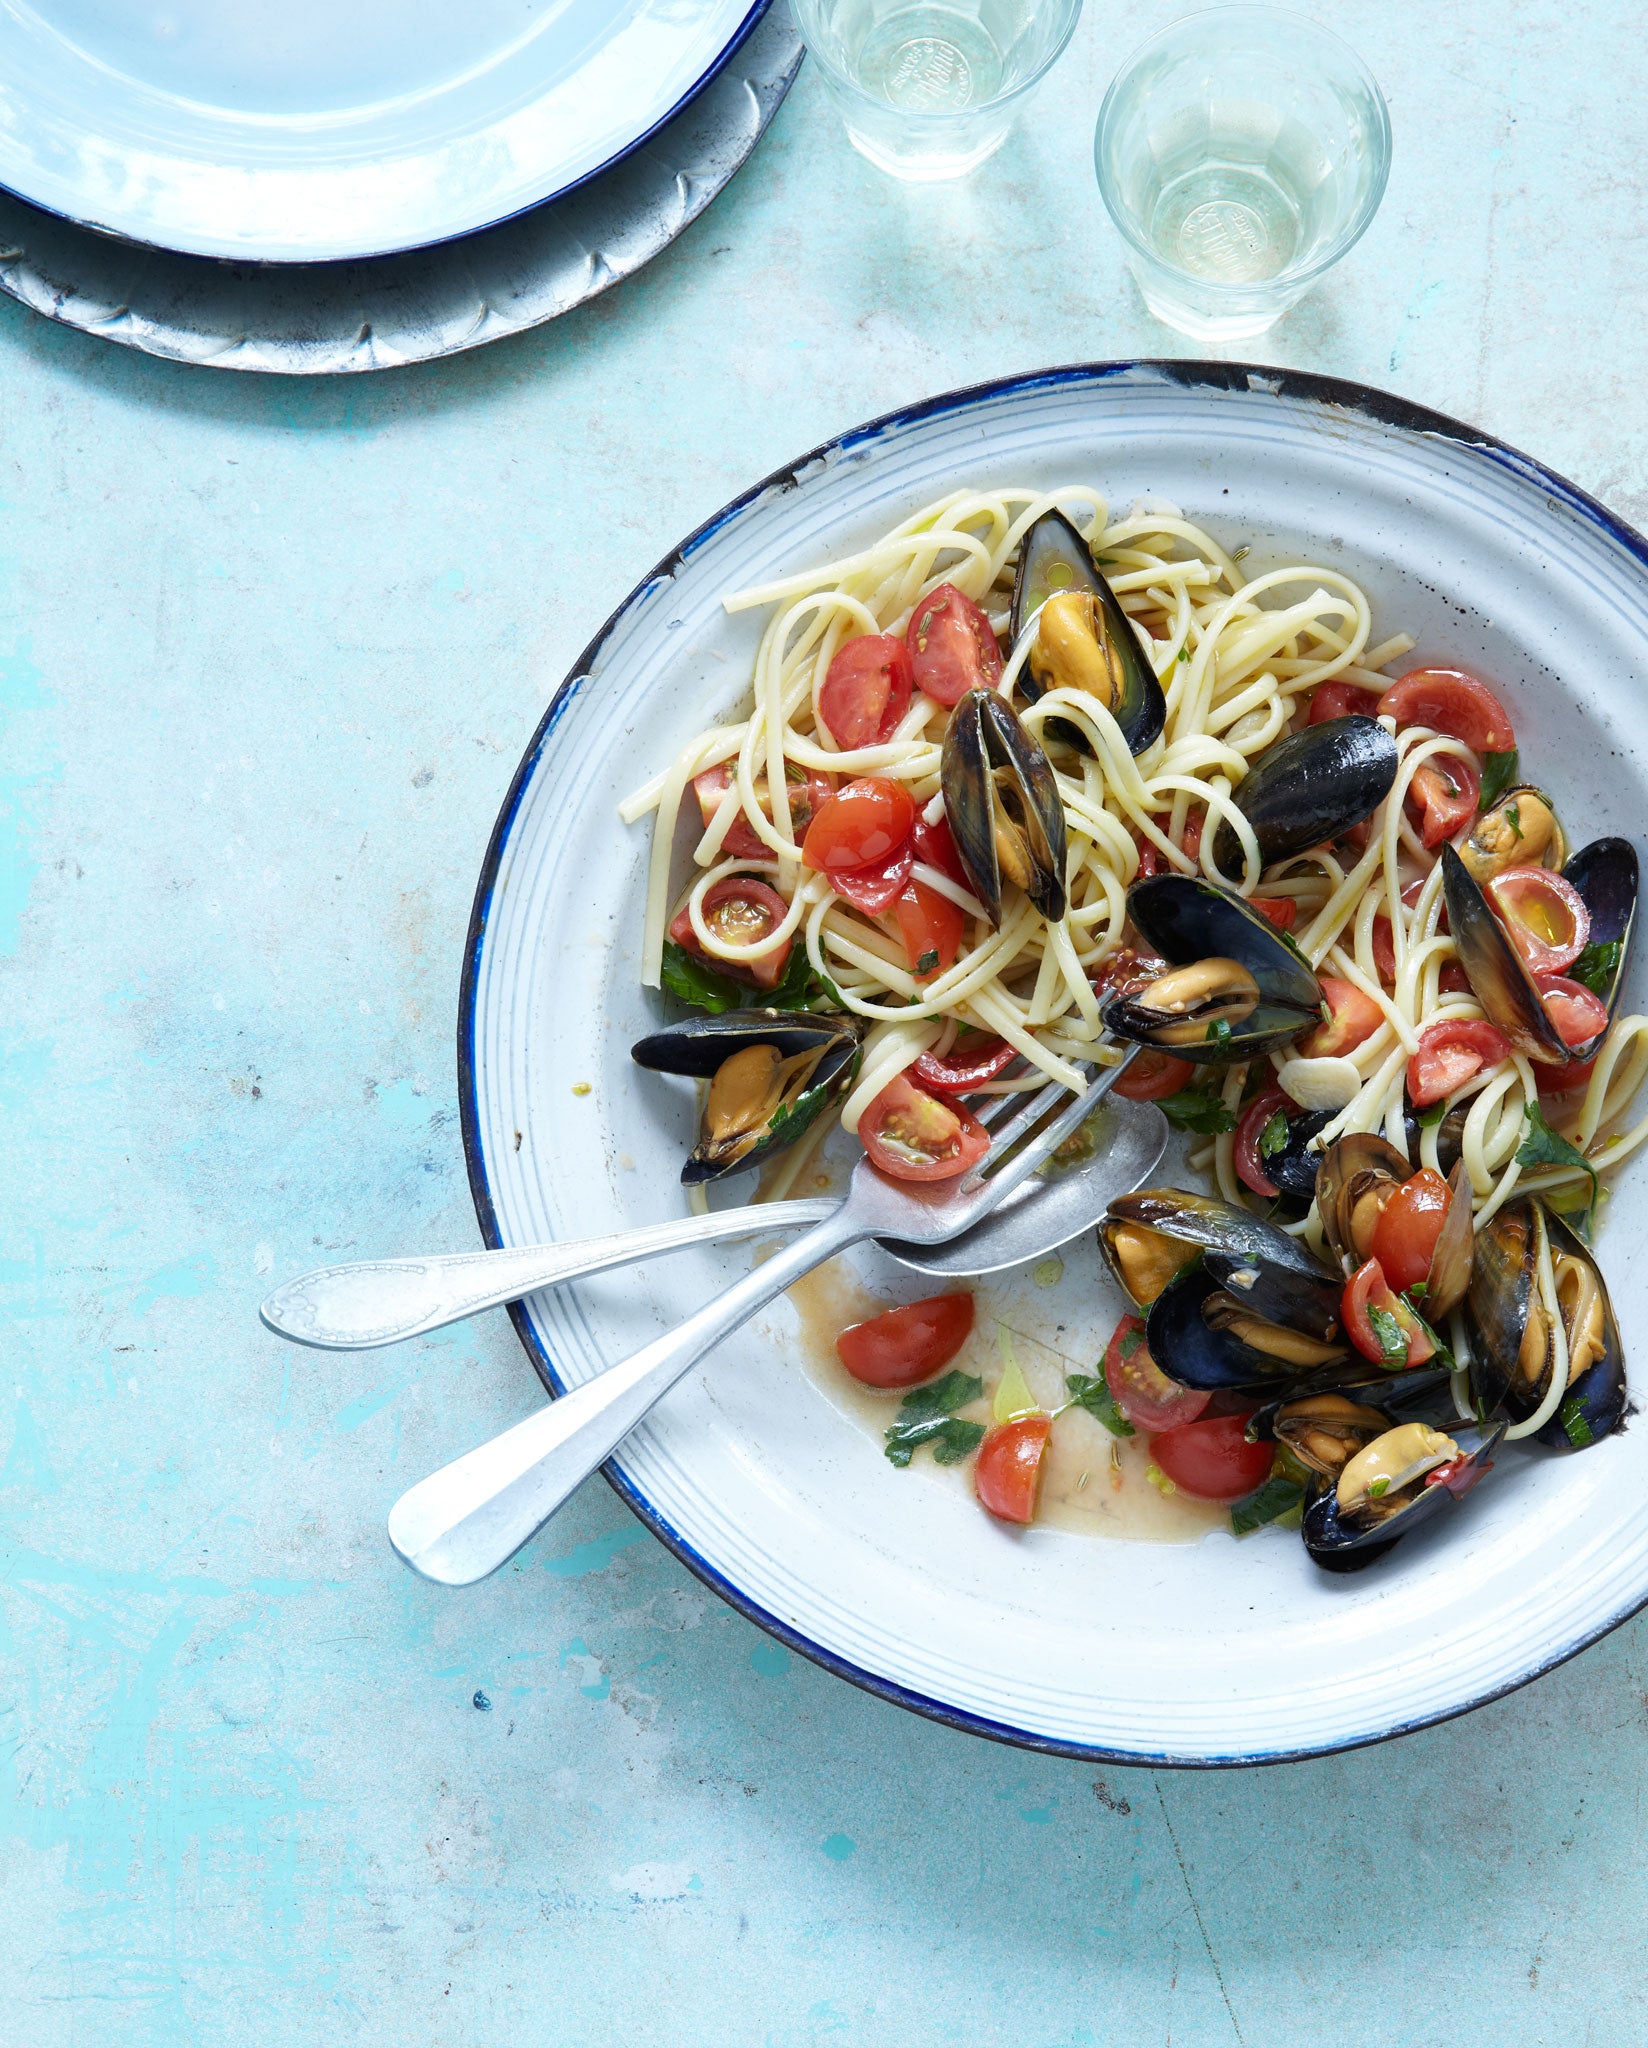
(697,983)
(1431,1115)
(1513,818)
(1378,1488)
(1190,1110)
(1093,1395)
(1498,774)
(1218,1032)
(1393,1340)
(1131,1340)
(1545,1147)
(1273,1138)
(1574,1426)
(927,962)
(927,1415)
(1184,654)
(1597,966)
(1277,1497)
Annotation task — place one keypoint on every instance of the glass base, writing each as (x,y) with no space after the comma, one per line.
(928,166)
(1206,323)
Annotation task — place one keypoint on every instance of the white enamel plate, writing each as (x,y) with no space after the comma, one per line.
(309,130)
(1199,1653)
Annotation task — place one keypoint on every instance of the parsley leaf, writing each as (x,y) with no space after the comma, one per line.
(1431,1114)
(697,983)
(1513,818)
(1093,1395)
(1184,654)
(1130,1342)
(1268,1503)
(1597,966)
(1190,1110)
(1574,1425)
(1545,1147)
(1218,1032)
(928,1416)
(1273,1138)
(1393,1341)
(1498,773)
(927,962)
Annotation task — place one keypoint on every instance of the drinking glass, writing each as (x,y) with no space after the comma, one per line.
(1241,152)
(929,88)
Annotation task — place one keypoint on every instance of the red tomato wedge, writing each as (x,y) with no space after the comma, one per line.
(880,885)
(1250,1169)
(952,647)
(911,1135)
(1404,1238)
(969,1063)
(1544,917)
(1282,911)
(1355,1017)
(1151,1075)
(739,909)
(931,927)
(742,841)
(1138,1386)
(1449,1054)
(1384,949)
(866,690)
(1576,1011)
(1445,790)
(1212,1459)
(905,1345)
(936,846)
(1009,1468)
(861,825)
(1448,700)
(1339,700)
(1368,1289)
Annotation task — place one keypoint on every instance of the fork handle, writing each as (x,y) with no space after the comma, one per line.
(473,1515)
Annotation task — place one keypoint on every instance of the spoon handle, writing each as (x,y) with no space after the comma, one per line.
(381,1301)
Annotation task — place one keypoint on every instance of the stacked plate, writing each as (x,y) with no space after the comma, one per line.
(287,185)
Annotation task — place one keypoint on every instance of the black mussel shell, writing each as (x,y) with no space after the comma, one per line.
(1292,1169)
(1214,1225)
(1186,920)
(1606,875)
(1053,557)
(996,778)
(1337,1545)
(1503,1267)
(1278,1294)
(1309,788)
(1211,1355)
(1593,1406)
(1493,967)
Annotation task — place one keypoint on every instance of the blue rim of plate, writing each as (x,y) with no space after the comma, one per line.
(713,70)
(1380,407)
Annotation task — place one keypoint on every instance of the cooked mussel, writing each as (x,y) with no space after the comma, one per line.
(1323,1431)
(1003,805)
(1309,788)
(1235,989)
(1606,875)
(1084,640)
(1514,1315)
(1521,830)
(1358,1176)
(1148,1235)
(1207,1335)
(770,1072)
(1390,1487)
(1493,967)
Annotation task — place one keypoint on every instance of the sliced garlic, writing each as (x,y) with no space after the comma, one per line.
(1320,1084)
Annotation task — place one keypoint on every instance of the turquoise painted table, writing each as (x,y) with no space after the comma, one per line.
(268,654)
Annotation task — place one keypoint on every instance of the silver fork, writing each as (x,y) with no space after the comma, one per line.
(473,1515)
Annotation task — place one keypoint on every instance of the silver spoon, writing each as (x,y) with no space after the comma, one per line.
(371,1302)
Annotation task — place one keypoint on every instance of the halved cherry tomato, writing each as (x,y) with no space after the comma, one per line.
(1575,1010)
(1404,1238)
(1553,1080)
(1453,980)
(1367,1288)
(1212,1459)
(1448,700)
(866,690)
(1445,790)
(1282,911)
(1249,1167)
(1009,1468)
(860,825)
(1339,700)
(1138,1386)
(1151,1075)
(807,793)
(904,1345)
(1544,916)
(952,647)
(1192,840)
(911,1135)
(1384,949)
(970,1062)
(880,885)
(1150,861)
(931,927)
(739,909)
(1355,1017)
(1449,1054)
(935,844)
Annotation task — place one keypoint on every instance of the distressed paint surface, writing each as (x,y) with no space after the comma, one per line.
(268,654)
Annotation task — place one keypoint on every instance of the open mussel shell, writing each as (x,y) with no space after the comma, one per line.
(771,1072)
(1342,1537)
(1090,645)
(1191,923)
(1493,967)
(1147,1235)
(1291,1170)
(1606,875)
(1310,787)
(1206,1336)
(1521,830)
(1324,1431)
(1357,1177)
(1593,1405)
(1003,805)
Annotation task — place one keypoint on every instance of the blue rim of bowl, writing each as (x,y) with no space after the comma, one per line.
(723,58)
(1379,407)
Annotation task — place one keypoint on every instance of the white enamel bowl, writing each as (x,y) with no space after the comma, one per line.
(1206,1653)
